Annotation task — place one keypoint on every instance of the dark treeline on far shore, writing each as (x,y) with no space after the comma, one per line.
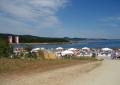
(34,39)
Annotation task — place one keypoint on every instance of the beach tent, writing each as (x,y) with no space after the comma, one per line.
(42,48)
(106,49)
(59,48)
(72,49)
(85,48)
(35,50)
(67,52)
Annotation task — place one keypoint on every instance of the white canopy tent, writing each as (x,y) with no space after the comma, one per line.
(106,49)
(85,48)
(67,52)
(72,49)
(42,48)
(59,48)
(35,50)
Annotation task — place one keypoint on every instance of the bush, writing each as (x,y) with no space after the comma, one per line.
(5,49)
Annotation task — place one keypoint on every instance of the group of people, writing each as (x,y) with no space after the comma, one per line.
(83,52)
(107,53)
(115,55)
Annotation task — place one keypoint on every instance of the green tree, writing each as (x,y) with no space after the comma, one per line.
(5,48)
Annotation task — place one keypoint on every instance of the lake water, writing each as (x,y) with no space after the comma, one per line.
(86,43)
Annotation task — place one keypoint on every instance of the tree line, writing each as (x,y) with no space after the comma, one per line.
(35,39)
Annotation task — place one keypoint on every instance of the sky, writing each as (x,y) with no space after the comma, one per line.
(61,18)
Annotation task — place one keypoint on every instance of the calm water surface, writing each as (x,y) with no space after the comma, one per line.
(86,43)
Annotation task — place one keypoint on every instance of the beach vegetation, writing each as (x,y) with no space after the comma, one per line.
(9,66)
(5,49)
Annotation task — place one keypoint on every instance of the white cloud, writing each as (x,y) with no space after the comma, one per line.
(36,13)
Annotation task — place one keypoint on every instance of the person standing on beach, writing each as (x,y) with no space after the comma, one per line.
(113,55)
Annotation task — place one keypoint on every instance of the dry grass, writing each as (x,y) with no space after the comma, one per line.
(19,67)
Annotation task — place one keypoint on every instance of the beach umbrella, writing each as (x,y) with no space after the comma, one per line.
(42,48)
(85,48)
(72,49)
(67,52)
(59,48)
(106,49)
(35,49)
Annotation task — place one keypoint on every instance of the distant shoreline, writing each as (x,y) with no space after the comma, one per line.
(42,43)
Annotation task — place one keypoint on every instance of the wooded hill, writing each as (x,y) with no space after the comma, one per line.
(34,39)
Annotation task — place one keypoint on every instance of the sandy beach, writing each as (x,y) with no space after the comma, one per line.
(61,76)
(106,73)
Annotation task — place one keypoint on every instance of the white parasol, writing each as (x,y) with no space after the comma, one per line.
(35,49)
(67,52)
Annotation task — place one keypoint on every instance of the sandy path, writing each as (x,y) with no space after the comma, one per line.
(60,76)
(108,73)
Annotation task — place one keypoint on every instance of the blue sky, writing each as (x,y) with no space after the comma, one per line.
(61,18)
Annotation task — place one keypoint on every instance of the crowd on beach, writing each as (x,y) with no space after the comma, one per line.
(103,53)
